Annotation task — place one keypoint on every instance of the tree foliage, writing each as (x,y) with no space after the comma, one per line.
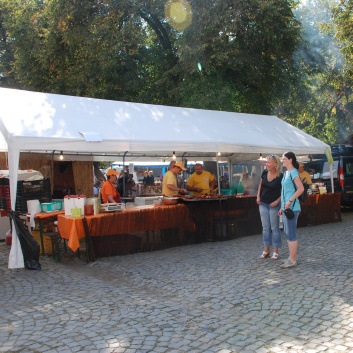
(230,55)
(256,56)
(319,100)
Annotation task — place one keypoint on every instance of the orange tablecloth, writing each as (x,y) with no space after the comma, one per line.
(127,221)
(44,215)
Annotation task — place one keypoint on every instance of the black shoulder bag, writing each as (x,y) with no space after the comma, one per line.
(304,195)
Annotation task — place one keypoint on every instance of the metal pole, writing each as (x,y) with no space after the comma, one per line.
(124,178)
(218,180)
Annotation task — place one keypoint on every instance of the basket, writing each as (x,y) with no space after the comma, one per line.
(50,206)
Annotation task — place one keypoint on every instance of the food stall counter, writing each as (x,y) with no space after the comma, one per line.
(128,221)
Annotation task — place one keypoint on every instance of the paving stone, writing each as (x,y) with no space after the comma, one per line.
(203,298)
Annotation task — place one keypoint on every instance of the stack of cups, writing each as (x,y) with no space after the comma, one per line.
(322,189)
(33,207)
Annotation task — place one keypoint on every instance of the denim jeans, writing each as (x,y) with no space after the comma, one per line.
(271,233)
(290,226)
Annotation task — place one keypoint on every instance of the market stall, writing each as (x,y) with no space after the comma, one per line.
(146,228)
(130,230)
(223,218)
(142,228)
(64,125)
(320,209)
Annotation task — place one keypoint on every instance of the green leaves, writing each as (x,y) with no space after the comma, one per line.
(250,56)
(319,97)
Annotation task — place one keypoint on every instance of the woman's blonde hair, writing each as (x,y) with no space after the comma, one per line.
(278,161)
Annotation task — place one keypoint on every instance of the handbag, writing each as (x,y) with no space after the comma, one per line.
(289,213)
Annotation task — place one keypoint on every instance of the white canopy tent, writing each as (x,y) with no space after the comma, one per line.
(94,128)
(3,143)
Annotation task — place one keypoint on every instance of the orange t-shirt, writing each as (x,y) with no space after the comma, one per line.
(109,189)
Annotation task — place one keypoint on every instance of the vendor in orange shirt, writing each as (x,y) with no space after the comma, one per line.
(109,192)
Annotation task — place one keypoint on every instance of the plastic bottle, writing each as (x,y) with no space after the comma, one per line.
(280,222)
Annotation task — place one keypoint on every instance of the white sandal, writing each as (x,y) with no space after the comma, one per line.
(264,255)
(275,256)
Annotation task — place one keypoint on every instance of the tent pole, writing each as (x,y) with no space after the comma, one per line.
(230,173)
(184,171)
(16,255)
(124,178)
(218,180)
(52,174)
(331,177)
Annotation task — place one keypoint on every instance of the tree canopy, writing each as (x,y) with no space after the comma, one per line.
(254,56)
(230,55)
(319,99)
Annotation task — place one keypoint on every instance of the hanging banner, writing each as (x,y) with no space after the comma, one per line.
(329,155)
(330,162)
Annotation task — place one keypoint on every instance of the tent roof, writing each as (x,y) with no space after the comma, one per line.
(37,122)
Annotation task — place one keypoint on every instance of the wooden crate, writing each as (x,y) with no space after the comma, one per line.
(48,248)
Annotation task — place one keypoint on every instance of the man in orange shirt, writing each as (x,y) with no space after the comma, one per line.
(109,192)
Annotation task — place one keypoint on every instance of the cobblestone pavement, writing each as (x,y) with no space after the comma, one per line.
(210,297)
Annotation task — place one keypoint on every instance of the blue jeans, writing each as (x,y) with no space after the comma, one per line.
(271,233)
(290,226)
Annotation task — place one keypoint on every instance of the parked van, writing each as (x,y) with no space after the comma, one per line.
(342,172)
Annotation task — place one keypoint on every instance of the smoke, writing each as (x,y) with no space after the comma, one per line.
(319,50)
